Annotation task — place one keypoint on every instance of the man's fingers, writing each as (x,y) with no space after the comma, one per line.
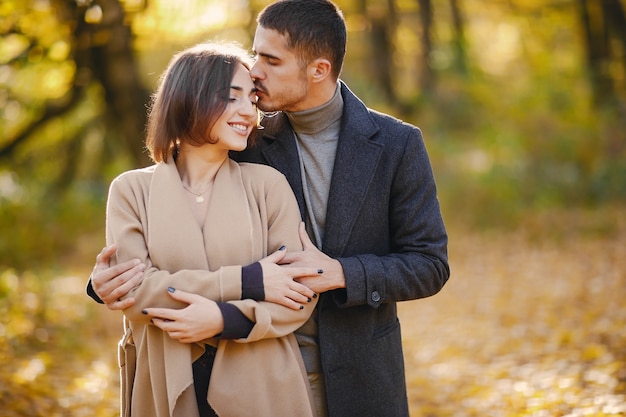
(119,269)
(304,237)
(106,281)
(301,271)
(118,286)
(123,284)
(105,254)
(121,304)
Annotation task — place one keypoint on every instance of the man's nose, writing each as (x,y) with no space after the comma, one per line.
(255,72)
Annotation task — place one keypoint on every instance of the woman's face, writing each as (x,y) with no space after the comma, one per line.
(234,126)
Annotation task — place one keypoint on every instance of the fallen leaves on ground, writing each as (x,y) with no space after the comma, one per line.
(530,324)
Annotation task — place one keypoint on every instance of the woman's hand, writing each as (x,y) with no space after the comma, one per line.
(201,319)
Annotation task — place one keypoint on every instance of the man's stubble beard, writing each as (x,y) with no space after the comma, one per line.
(285,102)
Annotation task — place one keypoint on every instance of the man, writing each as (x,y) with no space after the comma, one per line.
(367,195)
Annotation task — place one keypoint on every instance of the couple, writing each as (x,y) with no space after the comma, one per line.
(192,234)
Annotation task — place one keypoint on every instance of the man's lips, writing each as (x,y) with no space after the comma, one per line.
(259,89)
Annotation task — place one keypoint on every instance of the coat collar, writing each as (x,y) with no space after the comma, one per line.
(355,162)
(175,239)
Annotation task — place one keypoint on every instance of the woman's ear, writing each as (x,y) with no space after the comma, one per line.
(319,69)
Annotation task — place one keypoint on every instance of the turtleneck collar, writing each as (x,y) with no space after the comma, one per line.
(319,118)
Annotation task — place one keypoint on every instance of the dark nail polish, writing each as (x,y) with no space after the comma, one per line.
(301,307)
(282,247)
(320,271)
(314,295)
(144,311)
(171,289)
(308,299)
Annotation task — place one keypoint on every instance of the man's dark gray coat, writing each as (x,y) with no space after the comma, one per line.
(384,225)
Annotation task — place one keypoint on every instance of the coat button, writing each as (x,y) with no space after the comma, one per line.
(375,296)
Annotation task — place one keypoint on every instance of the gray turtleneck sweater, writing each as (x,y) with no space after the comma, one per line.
(317,134)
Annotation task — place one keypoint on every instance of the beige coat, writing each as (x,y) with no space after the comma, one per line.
(252,212)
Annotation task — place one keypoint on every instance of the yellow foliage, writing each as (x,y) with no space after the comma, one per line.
(531,323)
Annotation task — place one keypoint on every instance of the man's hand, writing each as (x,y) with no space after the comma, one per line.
(330,278)
(201,319)
(279,282)
(111,284)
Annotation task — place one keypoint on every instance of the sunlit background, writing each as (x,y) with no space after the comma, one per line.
(522,104)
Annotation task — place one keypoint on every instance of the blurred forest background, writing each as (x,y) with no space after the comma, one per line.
(523,108)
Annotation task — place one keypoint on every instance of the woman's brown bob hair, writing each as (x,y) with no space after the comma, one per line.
(193,93)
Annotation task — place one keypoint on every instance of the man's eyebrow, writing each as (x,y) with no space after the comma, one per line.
(265,55)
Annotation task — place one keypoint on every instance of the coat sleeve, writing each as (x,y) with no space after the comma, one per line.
(411,261)
(126,226)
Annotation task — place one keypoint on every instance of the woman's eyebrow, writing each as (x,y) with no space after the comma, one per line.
(236,87)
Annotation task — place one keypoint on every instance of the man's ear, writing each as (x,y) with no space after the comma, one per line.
(320,69)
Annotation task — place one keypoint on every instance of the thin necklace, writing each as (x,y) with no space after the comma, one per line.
(199,197)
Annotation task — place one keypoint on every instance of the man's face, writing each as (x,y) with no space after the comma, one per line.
(277,74)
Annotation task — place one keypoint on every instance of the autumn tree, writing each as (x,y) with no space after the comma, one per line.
(459,40)
(604,30)
(71,74)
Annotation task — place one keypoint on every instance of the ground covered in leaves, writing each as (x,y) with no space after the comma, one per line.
(531,323)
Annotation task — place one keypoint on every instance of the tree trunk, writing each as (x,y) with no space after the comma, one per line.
(427,76)
(597,50)
(381,34)
(615,18)
(108,43)
(458,23)
(382,38)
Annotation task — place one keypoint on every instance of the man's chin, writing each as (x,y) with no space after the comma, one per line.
(265,107)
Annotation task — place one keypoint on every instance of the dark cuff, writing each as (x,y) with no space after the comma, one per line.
(236,324)
(252,282)
(92,293)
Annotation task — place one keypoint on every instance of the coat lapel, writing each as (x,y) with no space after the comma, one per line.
(175,240)
(355,166)
(282,154)
(228,230)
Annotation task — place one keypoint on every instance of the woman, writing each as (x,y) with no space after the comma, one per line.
(193,218)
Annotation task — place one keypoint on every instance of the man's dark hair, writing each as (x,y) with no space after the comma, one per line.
(314,29)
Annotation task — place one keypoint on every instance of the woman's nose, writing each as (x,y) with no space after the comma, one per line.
(247,108)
